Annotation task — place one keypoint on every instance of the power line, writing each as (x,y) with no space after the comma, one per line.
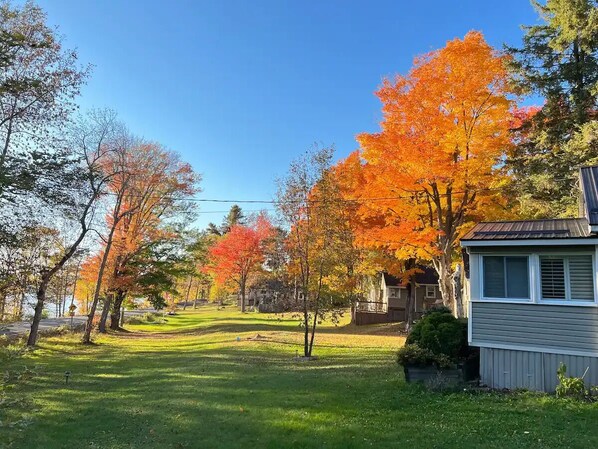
(409,195)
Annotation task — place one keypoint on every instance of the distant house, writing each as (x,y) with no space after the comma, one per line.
(533,296)
(387,299)
(271,296)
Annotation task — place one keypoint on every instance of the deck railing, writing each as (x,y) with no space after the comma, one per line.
(371,306)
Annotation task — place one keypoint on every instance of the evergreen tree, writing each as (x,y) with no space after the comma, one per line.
(235,216)
(558,61)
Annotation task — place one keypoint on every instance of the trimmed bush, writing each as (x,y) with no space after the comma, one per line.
(414,355)
(441,333)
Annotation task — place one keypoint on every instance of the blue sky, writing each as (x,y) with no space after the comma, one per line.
(240,88)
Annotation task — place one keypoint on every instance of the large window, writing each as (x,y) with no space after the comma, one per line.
(506,277)
(567,278)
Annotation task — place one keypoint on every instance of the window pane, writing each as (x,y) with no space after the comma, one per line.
(581,274)
(494,277)
(517,277)
(552,272)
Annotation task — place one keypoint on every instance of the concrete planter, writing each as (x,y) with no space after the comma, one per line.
(419,373)
(424,373)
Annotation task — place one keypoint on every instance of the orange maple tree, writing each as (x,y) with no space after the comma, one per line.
(434,166)
(240,253)
(149,190)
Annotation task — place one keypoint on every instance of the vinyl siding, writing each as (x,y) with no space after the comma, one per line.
(503,368)
(549,328)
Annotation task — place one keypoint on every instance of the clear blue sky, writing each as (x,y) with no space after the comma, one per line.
(240,88)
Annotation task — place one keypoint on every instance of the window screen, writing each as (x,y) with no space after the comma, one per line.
(506,277)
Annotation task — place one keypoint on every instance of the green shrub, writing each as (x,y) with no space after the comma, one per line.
(569,386)
(436,309)
(415,355)
(441,333)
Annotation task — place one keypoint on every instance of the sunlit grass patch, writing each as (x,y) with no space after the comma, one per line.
(203,379)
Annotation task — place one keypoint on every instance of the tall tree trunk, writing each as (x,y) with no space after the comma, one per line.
(75,282)
(458,285)
(197,294)
(116,306)
(442,264)
(39,308)
(306,351)
(64,291)
(188,292)
(242,285)
(313,333)
(96,294)
(2,306)
(411,296)
(105,312)
(19,311)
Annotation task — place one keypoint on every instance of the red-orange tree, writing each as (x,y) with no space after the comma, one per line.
(240,253)
(433,167)
(149,194)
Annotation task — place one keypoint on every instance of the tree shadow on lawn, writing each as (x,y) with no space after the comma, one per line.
(230,397)
(255,322)
(236,328)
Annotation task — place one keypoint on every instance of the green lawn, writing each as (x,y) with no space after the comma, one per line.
(189,383)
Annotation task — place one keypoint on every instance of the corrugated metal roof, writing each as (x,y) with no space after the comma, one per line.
(569,228)
(589,188)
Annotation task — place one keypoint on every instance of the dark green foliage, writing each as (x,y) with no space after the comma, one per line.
(156,269)
(558,61)
(234,217)
(439,332)
(436,309)
(415,355)
(39,81)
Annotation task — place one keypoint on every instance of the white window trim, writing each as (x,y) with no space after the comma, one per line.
(433,287)
(535,279)
(567,302)
(507,300)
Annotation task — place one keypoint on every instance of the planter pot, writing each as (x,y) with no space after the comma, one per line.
(419,373)
(424,373)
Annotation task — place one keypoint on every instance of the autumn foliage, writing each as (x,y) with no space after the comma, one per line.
(240,253)
(434,166)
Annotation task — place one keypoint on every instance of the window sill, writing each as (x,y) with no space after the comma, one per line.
(540,303)
(505,300)
(568,303)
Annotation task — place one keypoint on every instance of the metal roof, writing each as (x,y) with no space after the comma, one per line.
(589,188)
(561,228)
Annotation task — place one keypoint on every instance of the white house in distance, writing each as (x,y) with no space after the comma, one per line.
(534,296)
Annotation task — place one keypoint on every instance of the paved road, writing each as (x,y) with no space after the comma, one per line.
(23,327)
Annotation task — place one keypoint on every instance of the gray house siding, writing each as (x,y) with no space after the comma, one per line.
(504,368)
(522,345)
(543,327)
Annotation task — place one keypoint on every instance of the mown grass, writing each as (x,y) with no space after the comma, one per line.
(203,380)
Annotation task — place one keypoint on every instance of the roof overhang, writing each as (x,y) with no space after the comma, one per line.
(530,242)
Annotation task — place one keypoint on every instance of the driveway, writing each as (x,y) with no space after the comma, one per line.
(23,327)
